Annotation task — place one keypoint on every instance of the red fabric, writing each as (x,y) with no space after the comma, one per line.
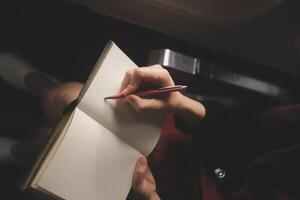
(170,162)
(209,189)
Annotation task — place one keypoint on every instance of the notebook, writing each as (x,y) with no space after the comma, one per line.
(93,150)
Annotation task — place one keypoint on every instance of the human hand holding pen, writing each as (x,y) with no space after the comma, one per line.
(150,93)
(155,75)
(144,186)
(188,109)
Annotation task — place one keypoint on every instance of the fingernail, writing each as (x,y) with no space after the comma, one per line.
(129,99)
(123,92)
(142,162)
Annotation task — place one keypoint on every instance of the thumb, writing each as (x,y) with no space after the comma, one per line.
(139,173)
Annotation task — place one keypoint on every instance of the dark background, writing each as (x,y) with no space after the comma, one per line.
(65,40)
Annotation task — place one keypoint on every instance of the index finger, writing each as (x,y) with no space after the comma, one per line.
(155,75)
(126,80)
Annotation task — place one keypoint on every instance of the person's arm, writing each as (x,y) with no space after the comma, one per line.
(189,110)
(216,114)
(191,116)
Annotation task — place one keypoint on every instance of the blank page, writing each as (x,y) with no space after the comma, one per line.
(91,163)
(140,130)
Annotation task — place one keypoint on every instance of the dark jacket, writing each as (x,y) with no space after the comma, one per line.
(244,147)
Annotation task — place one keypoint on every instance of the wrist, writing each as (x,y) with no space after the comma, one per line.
(178,104)
(189,110)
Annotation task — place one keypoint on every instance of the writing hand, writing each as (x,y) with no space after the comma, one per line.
(189,110)
(155,75)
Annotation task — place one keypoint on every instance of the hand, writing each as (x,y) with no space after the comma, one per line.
(143,183)
(189,110)
(155,75)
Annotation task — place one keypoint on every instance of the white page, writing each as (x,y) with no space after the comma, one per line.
(91,163)
(140,130)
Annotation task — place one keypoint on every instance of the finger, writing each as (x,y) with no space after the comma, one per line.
(139,173)
(156,75)
(135,81)
(149,176)
(126,80)
(140,104)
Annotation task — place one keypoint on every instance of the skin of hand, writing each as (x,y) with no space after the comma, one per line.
(143,183)
(144,187)
(189,110)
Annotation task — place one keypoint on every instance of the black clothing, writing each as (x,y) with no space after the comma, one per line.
(242,147)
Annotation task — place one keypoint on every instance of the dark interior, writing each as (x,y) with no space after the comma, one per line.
(65,40)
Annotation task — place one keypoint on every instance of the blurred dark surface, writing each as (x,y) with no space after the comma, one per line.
(65,40)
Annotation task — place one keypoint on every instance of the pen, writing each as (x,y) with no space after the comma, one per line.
(158,91)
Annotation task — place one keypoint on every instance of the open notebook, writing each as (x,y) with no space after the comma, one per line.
(93,150)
